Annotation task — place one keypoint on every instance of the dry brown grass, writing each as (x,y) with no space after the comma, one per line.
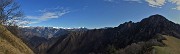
(10,44)
(172,46)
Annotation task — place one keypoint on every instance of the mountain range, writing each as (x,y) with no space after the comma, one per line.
(127,38)
(149,36)
(148,32)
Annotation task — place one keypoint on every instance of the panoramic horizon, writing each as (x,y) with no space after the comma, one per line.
(95,13)
(89,26)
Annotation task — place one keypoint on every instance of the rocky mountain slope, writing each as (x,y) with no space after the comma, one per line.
(10,44)
(37,36)
(127,38)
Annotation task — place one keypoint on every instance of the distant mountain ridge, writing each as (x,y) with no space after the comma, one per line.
(50,27)
(35,36)
(47,32)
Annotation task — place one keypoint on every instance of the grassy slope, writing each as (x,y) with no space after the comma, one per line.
(10,44)
(172,46)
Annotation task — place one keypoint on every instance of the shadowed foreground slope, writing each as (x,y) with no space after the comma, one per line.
(10,44)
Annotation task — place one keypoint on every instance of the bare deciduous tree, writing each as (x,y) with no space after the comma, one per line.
(11,16)
(10,13)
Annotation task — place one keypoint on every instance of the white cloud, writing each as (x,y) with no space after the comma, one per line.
(117,1)
(176,8)
(32,17)
(156,3)
(112,1)
(34,22)
(153,3)
(177,3)
(23,22)
(109,0)
(47,14)
(18,22)
(139,1)
(160,3)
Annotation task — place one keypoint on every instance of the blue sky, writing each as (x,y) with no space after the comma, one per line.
(95,13)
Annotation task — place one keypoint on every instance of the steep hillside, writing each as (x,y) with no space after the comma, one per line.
(10,44)
(172,46)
